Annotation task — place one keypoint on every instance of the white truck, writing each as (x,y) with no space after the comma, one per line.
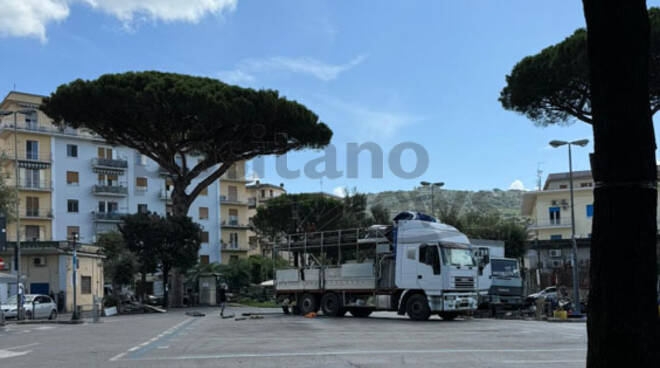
(499,283)
(416,266)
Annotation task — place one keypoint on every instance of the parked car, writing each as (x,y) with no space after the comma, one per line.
(549,293)
(34,306)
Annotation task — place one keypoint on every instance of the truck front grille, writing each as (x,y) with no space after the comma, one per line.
(464,282)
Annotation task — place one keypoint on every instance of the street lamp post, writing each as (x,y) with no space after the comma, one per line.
(74,238)
(432,185)
(576,278)
(19,296)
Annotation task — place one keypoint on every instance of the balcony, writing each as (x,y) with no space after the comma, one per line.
(113,164)
(28,159)
(35,185)
(7,127)
(165,195)
(36,214)
(117,190)
(232,176)
(233,224)
(113,216)
(550,224)
(232,200)
(232,247)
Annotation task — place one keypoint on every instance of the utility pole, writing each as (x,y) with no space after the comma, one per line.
(577,308)
(75,316)
(432,185)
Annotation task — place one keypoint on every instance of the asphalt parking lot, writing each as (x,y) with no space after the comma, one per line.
(384,339)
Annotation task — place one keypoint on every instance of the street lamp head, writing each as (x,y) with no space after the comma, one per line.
(425,183)
(581,142)
(556,143)
(439,184)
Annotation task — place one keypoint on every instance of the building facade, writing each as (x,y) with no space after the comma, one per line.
(72,181)
(258,195)
(234,214)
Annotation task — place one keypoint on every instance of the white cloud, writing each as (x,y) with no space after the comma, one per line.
(236,76)
(517,185)
(246,69)
(165,10)
(340,192)
(369,122)
(29,18)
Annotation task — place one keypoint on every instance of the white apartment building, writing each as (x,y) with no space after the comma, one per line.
(71,180)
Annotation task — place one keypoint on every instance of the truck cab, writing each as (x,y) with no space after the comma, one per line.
(499,281)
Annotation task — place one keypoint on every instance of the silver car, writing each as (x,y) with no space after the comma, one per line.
(34,306)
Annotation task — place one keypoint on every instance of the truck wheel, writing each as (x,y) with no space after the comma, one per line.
(447,316)
(330,305)
(360,312)
(307,304)
(285,309)
(418,308)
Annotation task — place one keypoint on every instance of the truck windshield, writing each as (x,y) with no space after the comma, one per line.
(457,256)
(505,268)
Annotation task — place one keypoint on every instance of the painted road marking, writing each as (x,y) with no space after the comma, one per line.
(356,352)
(152,340)
(7,353)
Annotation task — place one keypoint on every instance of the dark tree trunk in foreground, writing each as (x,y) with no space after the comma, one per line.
(623,316)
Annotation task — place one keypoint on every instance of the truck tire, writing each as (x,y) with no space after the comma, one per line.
(307,304)
(360,312)
(285,309)
(331,305)
(418,308)
(448,316)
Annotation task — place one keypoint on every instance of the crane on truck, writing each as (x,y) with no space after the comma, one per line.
(415,266)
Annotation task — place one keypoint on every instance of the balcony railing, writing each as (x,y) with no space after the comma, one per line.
(8,125)
(165,195)
(110,163)
(36,213)
(29,156)
(234,224)
(112,190)
(113,216)
(550,223)
(232,200)
(233,247)
(40,185)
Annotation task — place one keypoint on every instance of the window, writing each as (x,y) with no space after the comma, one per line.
(71,230)
(85,284)
(72,177)
(204,259)
(590,210)
(233,217)
(102,207)
(563,186)
(32,206)
(555,237)
(263,193)
(110,180)
(32,150)
(113,207)
(233,258)
(72,205)
(428,254)
(586,185)
(32,178)
(205,236)
(271,192)
(203,213)
(142,208)
(31,232)
(105,153)
(71,150)
(204,191)
(233,240)
(555,215)
(168,210)
(232,192)
(141,183)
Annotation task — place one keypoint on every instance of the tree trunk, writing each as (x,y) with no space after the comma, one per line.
(143,286)
(623,317)
(166,272)
(180,207)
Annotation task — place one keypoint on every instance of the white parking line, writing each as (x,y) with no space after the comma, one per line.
(354,352)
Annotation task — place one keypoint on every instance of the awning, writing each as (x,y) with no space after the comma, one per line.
(33,165)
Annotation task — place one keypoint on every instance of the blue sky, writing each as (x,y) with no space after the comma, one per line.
(388,72)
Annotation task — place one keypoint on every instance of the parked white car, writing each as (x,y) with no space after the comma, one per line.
(34,306)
